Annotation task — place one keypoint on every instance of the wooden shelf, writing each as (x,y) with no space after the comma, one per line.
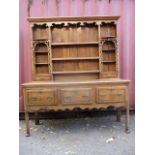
(76,72)
(74,43)
(75,58)
(105,50)
(40,39)
(108,37)
(42,74)
(41,52)
(109,61)
(39,63)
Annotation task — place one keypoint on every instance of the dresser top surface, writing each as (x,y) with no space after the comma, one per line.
(42,83)
(70,18)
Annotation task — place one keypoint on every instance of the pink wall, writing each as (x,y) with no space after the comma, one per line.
(50,8)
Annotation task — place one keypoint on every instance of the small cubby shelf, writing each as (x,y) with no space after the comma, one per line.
(108,56)
(41,57)
(108,61)
(107,50)
(41,52)
(109,37)
(44,63)
(44,39)
(43,74)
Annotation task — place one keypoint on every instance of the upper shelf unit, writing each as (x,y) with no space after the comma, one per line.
(74,48)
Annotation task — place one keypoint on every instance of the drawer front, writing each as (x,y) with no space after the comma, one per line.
(77,96)
(110,95)
(41,97)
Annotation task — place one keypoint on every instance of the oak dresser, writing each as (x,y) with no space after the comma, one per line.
(75,64)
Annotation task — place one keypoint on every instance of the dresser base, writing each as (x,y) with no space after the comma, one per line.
(85,95)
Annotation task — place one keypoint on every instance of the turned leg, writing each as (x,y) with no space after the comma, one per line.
(118,115)
(36,118)
(27,124)
(127,120)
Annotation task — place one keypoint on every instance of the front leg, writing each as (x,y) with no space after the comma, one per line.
(118,114)
(127,120)
(36,118)
(27,124)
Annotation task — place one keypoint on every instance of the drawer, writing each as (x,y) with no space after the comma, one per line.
(41,97)
(110,94)
(77,96)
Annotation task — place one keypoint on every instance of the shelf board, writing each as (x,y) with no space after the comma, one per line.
(108,37)
(109,61)
(76,72)
(41,63)
(41,52)
(75,58)
(42,74)
(113,49)
(74,43)
(41,39)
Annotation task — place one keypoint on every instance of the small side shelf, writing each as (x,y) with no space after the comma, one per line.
(108,37)
(41,52)
(45,63)
(106,50)
(109,61)
(42,74)
(44,39)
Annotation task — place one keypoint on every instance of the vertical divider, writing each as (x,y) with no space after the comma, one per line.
(33,46)
(77,63)
(100,48)
(50,52)
(116,58)
(33,54)
(117,54)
